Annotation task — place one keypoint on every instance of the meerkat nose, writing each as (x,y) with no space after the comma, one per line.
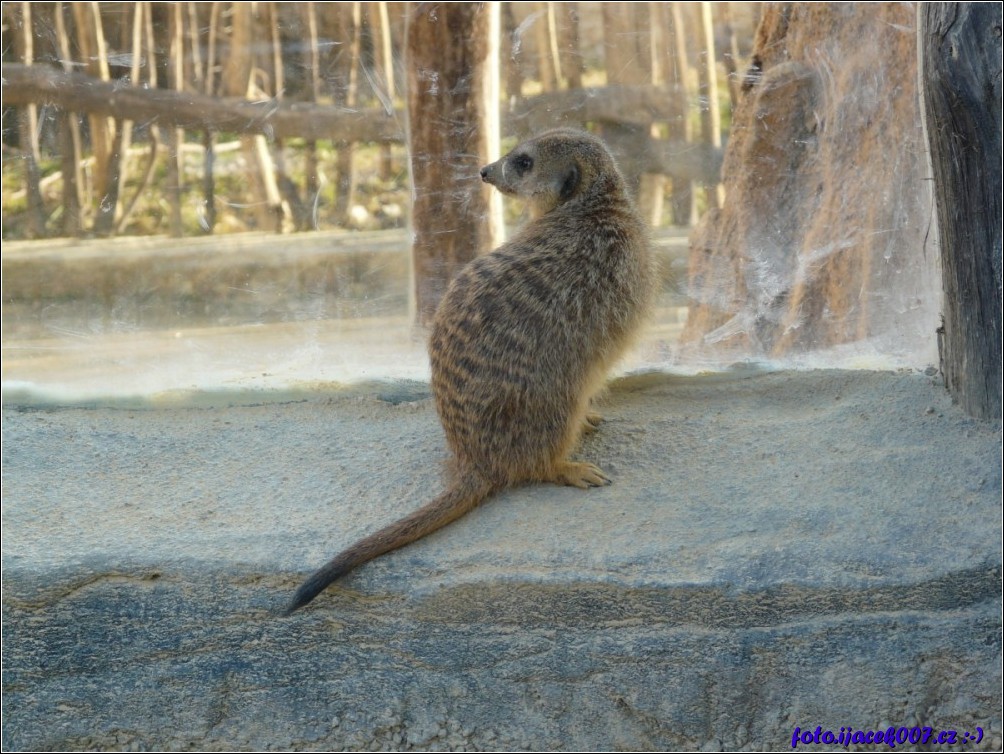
(484,174)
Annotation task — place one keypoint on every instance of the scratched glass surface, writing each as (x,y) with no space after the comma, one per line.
(218,196)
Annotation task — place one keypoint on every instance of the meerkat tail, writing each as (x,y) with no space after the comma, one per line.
(458,500)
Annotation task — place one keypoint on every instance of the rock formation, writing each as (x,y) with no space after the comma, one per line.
(823,237)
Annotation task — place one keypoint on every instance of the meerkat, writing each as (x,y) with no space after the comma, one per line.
(524,336)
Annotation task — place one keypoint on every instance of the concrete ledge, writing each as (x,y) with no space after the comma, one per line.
(778,550)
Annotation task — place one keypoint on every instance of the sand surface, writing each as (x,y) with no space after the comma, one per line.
(828,477)
(777,549)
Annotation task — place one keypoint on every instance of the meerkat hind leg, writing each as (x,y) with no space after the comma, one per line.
(591,422)
(581,475)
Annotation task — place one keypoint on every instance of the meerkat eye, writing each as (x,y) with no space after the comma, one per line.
(522,163)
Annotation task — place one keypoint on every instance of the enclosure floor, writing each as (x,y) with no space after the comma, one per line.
(777,550)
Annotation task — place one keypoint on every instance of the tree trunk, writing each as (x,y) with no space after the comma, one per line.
(453,113)
(69,141)
(711,118)
(176,136)
(118,166)
(683,198)
(512,55)
(548,64)
(20,16)
(626,55)
(347,95)
(571,58)
(821,240)
(961,83)
(730,55)
(311,58)
(94,53)
(208,219)
(383,65)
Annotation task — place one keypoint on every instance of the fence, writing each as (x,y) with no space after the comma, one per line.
(110,98)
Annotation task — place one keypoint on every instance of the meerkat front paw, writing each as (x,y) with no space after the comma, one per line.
(581,475)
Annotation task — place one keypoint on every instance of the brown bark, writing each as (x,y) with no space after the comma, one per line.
(311,58)
(512,54)
(548,63)
(683,198)
(19,16)
(346,94)
(627,57)
(383,65)
(821,240)
(961,53)
(730,55)
(711,118)
(448,46)
(69,141)
(94,54)
(571,58)
(175,136)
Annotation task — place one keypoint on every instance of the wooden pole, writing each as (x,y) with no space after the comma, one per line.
(347,95)
(452,96)
(145,12)
(69,142)
(711,118)
(176,136)
(28,122)
(683,199)
(383,64)
(960,55)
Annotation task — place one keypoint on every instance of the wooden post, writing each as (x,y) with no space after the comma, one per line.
(730,55)
(513,55)
(69,141)
(20,15)
(145,11)
(176,136)
(571,57)
(626,55)
(94,54)
(682,199)
(383,65)
(452,103)
(346,95)
(118,165)
(208,218)
(312,62)
(711,118)
(960,54)
(548,63)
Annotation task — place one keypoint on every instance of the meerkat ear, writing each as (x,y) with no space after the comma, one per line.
(569,182)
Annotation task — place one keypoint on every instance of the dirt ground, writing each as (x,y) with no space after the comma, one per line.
(778,548)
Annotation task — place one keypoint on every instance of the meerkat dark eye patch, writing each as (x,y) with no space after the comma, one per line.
(569,182)
(523,163)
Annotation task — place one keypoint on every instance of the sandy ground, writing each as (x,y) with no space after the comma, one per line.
(813,471)
(822,542)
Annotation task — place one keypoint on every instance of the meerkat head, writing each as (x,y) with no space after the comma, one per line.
(554,168)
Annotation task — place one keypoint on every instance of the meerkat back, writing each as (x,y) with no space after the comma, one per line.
(525,335)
